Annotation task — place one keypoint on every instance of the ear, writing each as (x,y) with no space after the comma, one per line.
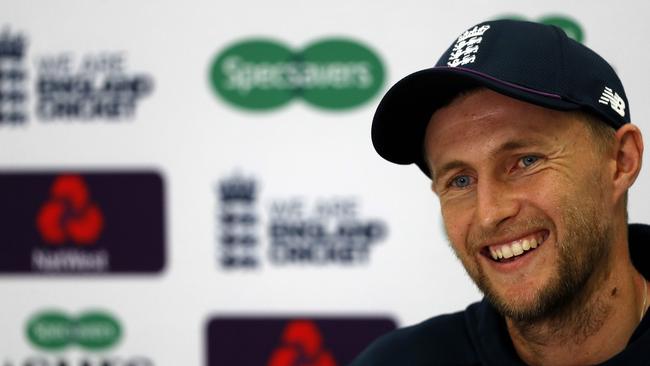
(629,155)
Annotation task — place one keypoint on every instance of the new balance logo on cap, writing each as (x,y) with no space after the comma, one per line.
(466,46)
(614,100)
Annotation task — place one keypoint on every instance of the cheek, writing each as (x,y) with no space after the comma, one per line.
(554,192)
(457,222)
(548,191)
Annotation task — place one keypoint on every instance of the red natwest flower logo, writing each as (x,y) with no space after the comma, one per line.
(302,345)
(69,214)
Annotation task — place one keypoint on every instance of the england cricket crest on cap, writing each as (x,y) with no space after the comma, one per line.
(466,47)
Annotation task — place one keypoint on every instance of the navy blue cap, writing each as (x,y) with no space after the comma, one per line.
(532,62)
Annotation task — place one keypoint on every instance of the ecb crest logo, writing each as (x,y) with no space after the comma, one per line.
(13,95)
(466,47)
(296,230)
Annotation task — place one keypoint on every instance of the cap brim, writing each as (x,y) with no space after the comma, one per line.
(402,116)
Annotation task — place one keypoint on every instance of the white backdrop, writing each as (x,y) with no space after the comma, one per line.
(194,139)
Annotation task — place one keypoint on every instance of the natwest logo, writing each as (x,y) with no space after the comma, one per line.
(81,222)
(69,214)
(261,74)
(302,344)
(301,341)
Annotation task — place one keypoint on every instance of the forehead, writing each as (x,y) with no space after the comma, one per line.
(479,122)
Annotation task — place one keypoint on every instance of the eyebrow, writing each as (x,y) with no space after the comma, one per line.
(505,147)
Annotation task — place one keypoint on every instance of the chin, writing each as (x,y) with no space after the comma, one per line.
(521,302)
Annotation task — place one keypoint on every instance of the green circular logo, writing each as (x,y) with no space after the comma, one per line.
(569,25)
(97,331)
(255,74)
(340,74)
(53,330)
(261,74)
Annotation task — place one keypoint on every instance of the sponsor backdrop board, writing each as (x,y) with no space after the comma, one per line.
(172,172)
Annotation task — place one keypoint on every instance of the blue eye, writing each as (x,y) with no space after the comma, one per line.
(527,161)
(461,181)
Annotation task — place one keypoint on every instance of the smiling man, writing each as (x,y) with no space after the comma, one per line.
(527,139)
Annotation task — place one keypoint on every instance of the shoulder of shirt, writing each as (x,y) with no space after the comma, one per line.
(443,340)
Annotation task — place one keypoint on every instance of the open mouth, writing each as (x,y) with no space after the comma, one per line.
(508,252)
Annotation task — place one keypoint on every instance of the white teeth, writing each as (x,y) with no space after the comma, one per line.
(507,252)
(515,248)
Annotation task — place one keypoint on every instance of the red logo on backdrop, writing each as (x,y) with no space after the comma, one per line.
(302,345)
(69,214)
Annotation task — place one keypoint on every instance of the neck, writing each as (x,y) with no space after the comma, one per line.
(596,325)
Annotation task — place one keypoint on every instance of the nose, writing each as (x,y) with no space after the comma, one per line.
(496,203)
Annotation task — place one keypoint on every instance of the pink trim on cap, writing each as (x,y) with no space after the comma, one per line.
(486,76)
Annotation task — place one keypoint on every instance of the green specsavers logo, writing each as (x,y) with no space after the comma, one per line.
(54,330)
(569,25)
(262,74)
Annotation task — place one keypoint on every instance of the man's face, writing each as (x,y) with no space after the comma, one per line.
(526,185)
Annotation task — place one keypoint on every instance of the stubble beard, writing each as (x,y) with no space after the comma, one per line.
(581,256)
